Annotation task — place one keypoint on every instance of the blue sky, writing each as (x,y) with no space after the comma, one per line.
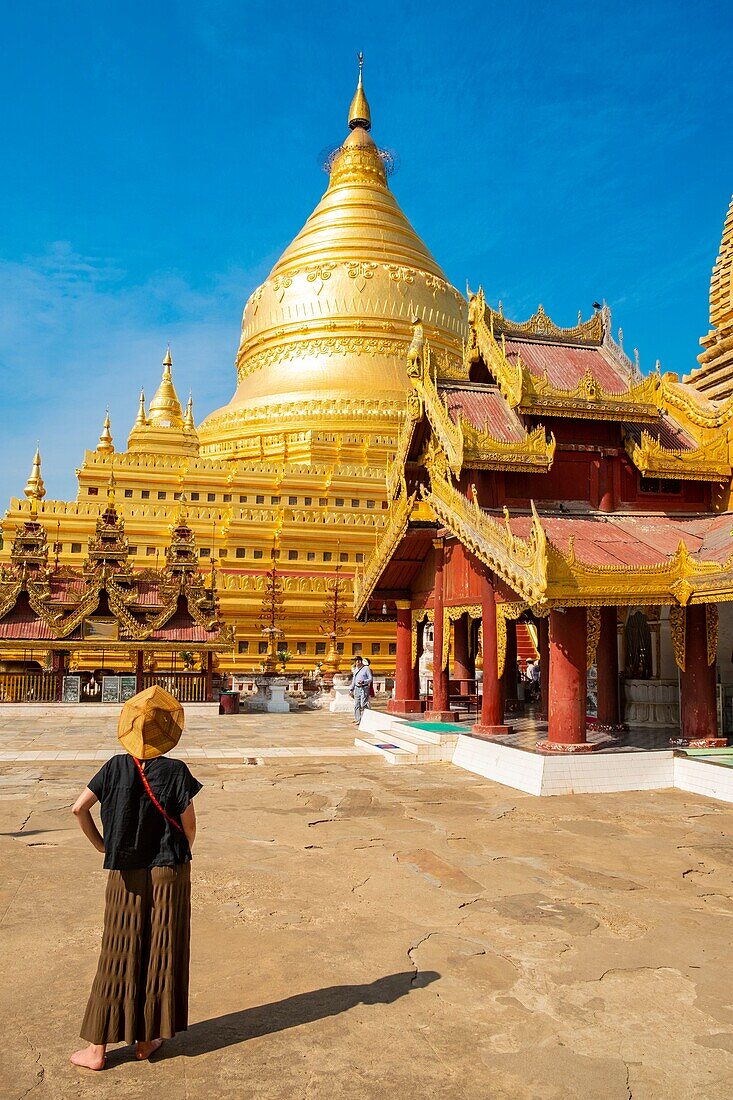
(158,157)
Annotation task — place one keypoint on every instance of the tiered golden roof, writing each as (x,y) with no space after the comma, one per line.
(714,376)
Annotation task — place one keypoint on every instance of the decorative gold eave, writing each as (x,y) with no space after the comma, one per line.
(707,462)
(522,563)
(524,391)
(482,451)
(392,534)
(588,400)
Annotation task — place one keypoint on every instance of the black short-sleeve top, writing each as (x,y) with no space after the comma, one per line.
(135,832)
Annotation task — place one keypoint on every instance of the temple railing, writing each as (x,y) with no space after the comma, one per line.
(187,687)
(28,687)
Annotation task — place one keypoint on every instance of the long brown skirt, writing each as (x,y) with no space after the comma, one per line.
(141,988)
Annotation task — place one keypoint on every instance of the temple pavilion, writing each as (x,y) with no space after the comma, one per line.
(104,631)
(546,482)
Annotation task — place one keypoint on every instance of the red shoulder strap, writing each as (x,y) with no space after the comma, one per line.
(153,799)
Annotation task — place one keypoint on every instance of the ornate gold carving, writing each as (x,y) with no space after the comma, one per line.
(361,271)
(711,631)
(450,615)
(707,462)
(423,614)
(678,629)
(539,324)
(404,277)
(593,619)
(505,611)
(392,533)
(325,345)
(521,562)
(482,451)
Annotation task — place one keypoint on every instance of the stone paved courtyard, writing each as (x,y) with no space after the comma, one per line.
(364,931)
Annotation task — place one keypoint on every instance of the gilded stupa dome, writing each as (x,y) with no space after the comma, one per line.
(327,334)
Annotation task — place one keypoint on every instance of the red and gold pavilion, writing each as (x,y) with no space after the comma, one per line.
(544,481)
(157,625)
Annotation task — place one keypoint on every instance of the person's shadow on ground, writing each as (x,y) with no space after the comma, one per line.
(302,1008)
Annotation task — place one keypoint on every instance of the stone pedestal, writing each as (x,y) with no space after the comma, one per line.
(276,701)
(341,703)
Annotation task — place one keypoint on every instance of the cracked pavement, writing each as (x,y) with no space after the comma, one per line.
(362,930)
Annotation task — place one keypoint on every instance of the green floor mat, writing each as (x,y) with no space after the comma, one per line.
(440,727)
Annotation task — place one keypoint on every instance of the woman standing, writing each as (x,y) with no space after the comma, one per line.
(140,992)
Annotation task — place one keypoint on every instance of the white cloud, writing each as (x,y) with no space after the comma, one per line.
(77,335)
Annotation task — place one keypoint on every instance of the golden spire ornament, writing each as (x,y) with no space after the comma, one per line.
(359,113)
(188,421)
(34,487)
(106,444)
(141,419)
(165,408)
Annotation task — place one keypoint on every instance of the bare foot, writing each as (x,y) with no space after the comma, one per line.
(91,1057)
(144,1050)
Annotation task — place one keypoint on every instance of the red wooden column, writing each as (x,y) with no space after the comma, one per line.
(139,670)
(566,727)
(543,644)
(492,705)
(607,671)
(698,705)
(210,677)
(405,700)
(440,711)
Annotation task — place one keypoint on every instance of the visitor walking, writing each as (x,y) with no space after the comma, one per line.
(140,992)
(360,685)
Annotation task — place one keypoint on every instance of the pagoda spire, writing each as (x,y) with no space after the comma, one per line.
(165,408)
(188,421)
(359,113)
(141,419)
(34,487)
(106,444)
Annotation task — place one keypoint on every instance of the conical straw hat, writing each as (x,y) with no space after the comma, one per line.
(150,723)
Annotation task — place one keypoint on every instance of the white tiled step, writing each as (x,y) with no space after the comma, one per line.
(383,747)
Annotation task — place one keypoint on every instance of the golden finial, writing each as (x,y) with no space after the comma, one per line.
(141,419)
(106,445)
(165,406)
(182,508)
(359,113)
(188,418)
(111,486)
(34,487)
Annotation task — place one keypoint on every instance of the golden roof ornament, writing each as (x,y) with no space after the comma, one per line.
(165,408)
(359,113)
(106,444)
(141,419)
(188,421)
(34,487)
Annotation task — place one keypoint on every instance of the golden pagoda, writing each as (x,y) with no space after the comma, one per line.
(299,454)
(714,376)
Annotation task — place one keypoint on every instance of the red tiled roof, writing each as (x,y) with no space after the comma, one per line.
(628,540)
(666,431)
(565,365)
(23,623)
(486,410)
